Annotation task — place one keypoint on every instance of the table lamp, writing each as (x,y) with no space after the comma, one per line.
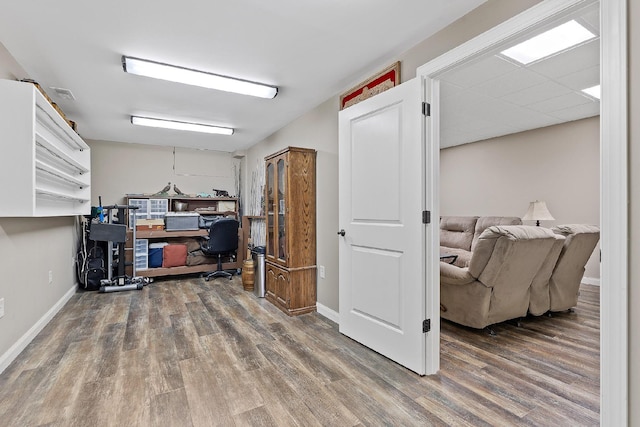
(538,212)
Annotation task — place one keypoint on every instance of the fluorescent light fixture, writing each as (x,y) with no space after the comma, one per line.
(546,44)
(593,91)
(157,70)
(172,124)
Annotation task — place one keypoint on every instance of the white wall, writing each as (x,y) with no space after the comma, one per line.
(499,177)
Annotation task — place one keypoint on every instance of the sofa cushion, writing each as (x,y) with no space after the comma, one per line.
(485,222)
(457,231)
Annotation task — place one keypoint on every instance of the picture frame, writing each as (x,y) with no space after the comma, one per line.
(384,80)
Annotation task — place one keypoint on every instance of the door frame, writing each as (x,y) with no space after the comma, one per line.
(613,175)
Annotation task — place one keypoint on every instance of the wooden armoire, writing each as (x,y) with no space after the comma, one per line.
(290,206)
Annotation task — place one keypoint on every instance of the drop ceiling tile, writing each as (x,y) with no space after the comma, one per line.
(474,74)
(536,93)
(514,81)
(559,103)
(570,61)
(534,120)
(451,118)
(578,112)
(582,79)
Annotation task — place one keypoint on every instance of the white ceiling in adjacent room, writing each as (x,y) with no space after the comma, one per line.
(495,95)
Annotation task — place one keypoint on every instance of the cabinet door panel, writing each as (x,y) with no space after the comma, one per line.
(271,281)
(282,289)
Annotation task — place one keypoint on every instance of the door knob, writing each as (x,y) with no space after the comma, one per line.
(341,232)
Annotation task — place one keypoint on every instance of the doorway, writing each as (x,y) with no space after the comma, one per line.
(613,175)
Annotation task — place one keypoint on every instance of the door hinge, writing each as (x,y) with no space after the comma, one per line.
(426,109)
(426,217)
(426,325)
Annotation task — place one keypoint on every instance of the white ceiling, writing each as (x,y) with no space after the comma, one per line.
(311,50)
(495,96)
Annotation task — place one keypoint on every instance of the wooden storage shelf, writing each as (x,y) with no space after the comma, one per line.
(204,206)
(47,164)
(186,269)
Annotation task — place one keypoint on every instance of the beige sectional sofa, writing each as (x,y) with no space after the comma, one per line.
(459,234)
(512,270)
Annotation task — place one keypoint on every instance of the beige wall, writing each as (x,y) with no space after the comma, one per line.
(558,164)
(634,212)
(30,248)
(319,129)
(121,168)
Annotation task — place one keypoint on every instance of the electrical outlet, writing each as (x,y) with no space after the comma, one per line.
(50,277)
(1,307)
(321,270)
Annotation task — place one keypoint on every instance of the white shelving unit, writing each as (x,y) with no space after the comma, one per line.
(45,166)
(142,254)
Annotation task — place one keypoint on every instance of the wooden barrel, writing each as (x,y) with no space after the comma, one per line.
(248,275)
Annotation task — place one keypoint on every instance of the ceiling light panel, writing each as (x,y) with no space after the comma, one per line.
(177,125)
(177,74)
(593,91)
(550,42)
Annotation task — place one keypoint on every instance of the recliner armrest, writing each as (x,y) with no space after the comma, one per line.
(454,275)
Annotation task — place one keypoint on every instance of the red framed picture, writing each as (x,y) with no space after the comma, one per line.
(382,81)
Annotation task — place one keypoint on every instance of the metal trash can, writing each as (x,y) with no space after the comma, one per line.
(259,284)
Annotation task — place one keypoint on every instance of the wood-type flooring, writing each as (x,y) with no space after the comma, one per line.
(193,353)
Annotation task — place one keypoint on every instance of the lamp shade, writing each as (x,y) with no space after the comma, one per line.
(538,212)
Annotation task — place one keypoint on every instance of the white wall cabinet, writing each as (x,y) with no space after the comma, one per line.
(45,167)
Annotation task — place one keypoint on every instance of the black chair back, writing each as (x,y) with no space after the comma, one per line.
(223,236)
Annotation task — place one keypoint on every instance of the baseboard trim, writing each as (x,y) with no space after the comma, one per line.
(13,352)
(591,281)
(328,313)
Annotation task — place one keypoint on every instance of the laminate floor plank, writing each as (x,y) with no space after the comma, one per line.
(189,352)
(257,417)
(281,400)
(131,398)
(200,318)
(171,409)
(137,322)
(69,377)
(164,371)
(206,398)
(237,385)
(325,406)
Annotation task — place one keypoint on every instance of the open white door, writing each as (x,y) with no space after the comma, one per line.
(382,249)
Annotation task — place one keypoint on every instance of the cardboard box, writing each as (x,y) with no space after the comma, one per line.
(149,224)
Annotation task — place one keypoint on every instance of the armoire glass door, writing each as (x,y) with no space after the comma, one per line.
(270,202)
(282,238)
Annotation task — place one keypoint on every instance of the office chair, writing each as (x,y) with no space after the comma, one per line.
(223,240)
